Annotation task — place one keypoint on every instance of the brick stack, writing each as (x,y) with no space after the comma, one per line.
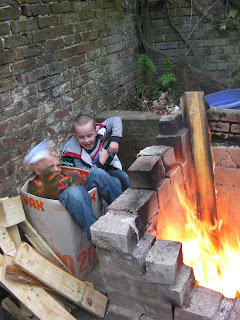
(146,278)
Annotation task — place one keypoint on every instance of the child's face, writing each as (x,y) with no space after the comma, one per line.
(49,162)
(86,135)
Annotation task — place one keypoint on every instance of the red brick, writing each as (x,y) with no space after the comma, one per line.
(6,128)
(24,119)
(227,176)
(222,156)
(235,128)
(5,99)
(219,126)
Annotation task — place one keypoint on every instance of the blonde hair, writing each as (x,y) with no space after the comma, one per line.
(54,152)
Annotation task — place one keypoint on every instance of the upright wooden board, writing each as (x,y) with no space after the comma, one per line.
(28,259)
(201,151)
(41,303)
(11,211)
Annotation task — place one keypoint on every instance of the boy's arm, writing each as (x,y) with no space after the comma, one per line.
(114,125)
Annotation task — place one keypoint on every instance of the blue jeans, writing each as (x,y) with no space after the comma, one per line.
(109,185)
(77,202)
(122,176)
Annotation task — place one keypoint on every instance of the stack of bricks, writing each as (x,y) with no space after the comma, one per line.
(146,278)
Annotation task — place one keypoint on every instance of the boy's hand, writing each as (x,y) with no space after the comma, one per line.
(113,147)
(103,155)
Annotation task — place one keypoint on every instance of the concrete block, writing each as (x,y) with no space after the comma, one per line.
(178,293)
(203,304)
(141,202)
(163,262)
(132,264)
(146,172)
(165,152)
(164,191)
(224,310)
(170,124)
(149,307)
(235,312)
(115,232)
(179,141)
(121,313)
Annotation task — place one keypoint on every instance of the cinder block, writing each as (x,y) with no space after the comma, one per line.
(178,293)
(225,308)
(176,177)
(142,202)
(146,172)
(163,262)
(165,152)
(132,264)
(149,307)
(179,141)
(202,305)
(170,124)
(115,232)
(121,313)
(235,312)
(164,191)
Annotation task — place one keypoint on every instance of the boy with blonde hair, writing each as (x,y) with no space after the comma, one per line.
(89,150)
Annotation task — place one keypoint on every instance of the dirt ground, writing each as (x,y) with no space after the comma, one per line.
(79,313)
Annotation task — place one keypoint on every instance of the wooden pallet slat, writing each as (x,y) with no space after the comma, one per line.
(74,289)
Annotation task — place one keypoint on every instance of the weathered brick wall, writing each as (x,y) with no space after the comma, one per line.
(59,58)
(216,49)
(224,124)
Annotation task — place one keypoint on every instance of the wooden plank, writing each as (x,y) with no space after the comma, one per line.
(198,125)
(6,243)
(15,273)
(14,310)
(14,235)
(62,282)
(11,211)
(40,245)
(41,303)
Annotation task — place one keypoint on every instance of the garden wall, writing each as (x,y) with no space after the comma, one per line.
(59,58)
(215,51)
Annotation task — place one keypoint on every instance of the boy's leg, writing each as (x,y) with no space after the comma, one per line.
(108,187)
(122,176)
(78,204)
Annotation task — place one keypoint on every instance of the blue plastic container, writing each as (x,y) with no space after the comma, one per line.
(225,99)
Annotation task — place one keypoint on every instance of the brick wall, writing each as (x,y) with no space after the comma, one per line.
(216,49)
(59,58)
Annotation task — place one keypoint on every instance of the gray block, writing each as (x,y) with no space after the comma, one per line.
(146,172)
(203,304)
(115,232)
(163,262)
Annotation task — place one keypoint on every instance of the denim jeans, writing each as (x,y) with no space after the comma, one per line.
(122,176)
(109,186)
(77,202)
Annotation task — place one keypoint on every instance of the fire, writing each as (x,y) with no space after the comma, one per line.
(213,251)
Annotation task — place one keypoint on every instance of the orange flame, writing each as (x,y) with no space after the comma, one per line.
(214,267)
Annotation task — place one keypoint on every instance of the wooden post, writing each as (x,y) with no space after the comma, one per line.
(201,152)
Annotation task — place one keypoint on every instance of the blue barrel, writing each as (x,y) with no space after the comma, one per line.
(225,99)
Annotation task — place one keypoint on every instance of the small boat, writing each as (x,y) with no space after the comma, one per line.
(225,99)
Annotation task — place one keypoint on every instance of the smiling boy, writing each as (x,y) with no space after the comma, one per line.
(86,150)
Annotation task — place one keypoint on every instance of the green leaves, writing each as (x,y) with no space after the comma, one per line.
(146,64)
